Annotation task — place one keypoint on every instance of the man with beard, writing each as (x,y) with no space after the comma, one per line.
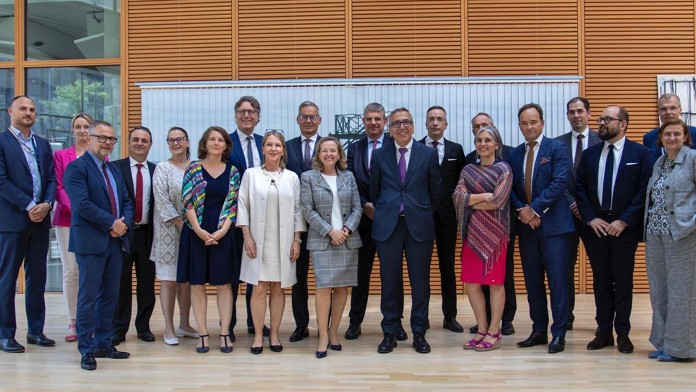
(610,193)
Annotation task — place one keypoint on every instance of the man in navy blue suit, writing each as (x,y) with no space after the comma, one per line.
(404,186)
(541,170)
(577,140)
(668,107)
(300,154)
(246,153)
(27,192)
(451,162)
(610,191)
(359,160)
(102,214)
(479,121)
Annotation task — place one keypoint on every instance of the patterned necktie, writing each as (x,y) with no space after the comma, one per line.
(372,152)
(402,170)
(110,191)
(608,179)
(578,153)
(139,194)
(250,153)
(307,155)
(529,165)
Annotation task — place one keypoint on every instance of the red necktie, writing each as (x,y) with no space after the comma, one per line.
(110,191)
(139,194)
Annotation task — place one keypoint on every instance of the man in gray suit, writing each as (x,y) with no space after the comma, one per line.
(577,141)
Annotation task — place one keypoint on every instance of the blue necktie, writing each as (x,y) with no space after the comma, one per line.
(250,154)
(608,177)
(402,171)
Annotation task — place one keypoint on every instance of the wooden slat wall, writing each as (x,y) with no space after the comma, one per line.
(292,39)
(618,46)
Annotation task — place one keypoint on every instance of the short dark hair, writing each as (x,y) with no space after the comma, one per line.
(203,152)
(436,107)
(623,114)
(97,123)
(175,128)
(140,128)
(22,96)
(674,121)
(374,107)
(531,106)
(584,101)
(252,101)
(401,109)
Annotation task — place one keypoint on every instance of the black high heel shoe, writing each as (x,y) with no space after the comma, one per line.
(256,350)
(203,348)
(226,348)
(336,347)
(275,348)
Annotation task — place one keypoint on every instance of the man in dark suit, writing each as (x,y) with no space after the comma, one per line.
(669,107)
(102,214)
(479,121)
(137,174)
(541,170)
(404,185)
(576,141)
(300,154)
(610,190)
(359,159)
(27,192)
(247,152)
(451,161)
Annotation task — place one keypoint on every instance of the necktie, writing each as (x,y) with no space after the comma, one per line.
(529,165)
(110,191)
(307,155)
(139,194)
(402,169)
(434,143)
(608,179)
(372,152)
(578,153)
(250,153)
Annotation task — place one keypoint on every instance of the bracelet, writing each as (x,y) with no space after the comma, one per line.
(298,240)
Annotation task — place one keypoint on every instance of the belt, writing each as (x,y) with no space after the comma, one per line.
(401,214)
(140,227)
(606,212)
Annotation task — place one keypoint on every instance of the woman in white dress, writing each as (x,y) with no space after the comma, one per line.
(168,221)
(271,220)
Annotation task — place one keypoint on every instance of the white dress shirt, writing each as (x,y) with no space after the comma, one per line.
(254,149)
(407,155)
(618,151)
(369,147)
(536,155)
(147,188)
(574,141)
(440,147)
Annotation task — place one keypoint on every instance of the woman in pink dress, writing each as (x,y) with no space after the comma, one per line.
(61,217)
(483,213)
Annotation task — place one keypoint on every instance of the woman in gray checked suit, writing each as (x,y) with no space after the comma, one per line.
(331,205)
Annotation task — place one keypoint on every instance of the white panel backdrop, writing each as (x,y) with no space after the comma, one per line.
(197,105)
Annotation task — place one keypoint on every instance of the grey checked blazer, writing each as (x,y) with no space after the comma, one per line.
(316,199)
(680,193)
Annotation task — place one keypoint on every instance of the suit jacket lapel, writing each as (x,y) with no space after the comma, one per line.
(537,160)
(237,150)
(363,153)
(17,149)
(413,160)
(128,177)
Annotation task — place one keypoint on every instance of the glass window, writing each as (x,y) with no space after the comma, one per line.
(7,30)
(6,95)
(60,93)
(60,30)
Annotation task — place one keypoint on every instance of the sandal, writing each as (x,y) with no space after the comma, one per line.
(226,348)
(471,344)
(203,348)
(71,336)
(489,346)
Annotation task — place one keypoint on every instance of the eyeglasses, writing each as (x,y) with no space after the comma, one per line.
(273,131)
(310,117)
(177,140)
(607,120)
(398,123)
(105,139)
(249,112)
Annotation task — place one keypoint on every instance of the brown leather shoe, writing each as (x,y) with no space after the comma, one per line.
(600,341)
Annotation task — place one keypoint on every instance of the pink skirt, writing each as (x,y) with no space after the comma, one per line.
(473,268)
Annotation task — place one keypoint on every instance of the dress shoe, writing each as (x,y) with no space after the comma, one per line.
(171,341)
(600,341)
(535,339)
(184,333)
(266,331)
(40,339)
(146,336)
(668,358)
(420,344)
(276,348)
(507,328)
(452,325)
(401,334)
(299,333)
(387,345)
(10,345)
(473,328)
(336,347)
(569,326)
(256,350)
(226,348)
(624,343)
(88,362)
(204,348)
(117,339)
(353,332)
(557,345)
(655,354)
(110,352)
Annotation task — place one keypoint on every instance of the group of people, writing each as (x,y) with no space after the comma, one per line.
(257,208)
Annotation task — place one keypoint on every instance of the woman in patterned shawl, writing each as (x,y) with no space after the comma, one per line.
(483,214)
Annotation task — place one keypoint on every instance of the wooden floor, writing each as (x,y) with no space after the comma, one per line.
(157,367)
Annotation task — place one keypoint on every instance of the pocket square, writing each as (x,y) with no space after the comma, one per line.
(631,163)
(544,160)
(451,159)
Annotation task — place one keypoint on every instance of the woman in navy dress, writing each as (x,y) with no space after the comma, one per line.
(209,193)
